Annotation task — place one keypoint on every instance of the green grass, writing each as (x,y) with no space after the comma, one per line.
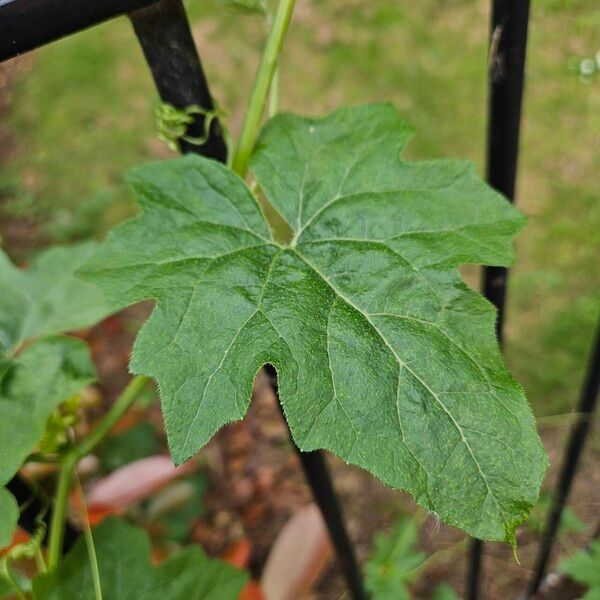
(83,114)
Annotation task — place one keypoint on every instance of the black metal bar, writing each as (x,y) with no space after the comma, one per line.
(474,569)
(506,74)
(508,44)
(164,34)
(560,585)
(318,478)
(28,24)
(581,427)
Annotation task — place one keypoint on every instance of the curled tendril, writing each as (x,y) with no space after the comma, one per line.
(25,550)
(172,124)
(58,425)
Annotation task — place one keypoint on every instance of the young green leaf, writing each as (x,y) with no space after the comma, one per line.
(584,567)
(445,592)
(569,521)
(250,6)
(31,387)
(175,508)
(47,298)
(384,356)
(123,553)
(139,441)
(391,566)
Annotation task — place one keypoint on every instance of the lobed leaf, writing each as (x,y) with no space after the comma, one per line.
(123,554)
(384,356)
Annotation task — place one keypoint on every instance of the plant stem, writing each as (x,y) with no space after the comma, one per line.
(59,513)
(40,563)
(11,580)
(274,94)
(89,542)
(128,396)
(72,457)
(262,85)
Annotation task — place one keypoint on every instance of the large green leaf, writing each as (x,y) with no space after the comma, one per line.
(123,554)
(31,387)
(47,298)
(384,355)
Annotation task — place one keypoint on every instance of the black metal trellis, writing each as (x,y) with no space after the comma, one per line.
(164,34)
(28,24)
(508,43)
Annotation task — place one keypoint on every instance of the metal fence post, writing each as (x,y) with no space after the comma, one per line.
(508,43)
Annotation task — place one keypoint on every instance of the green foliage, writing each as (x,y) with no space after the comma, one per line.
(260,7)
(123,554)
(176,507)
(47,298)
(445,592)
(9,512)
(341,53)
(384,355)
(584,567)
(39,301)
(569,521)
(31,387)
(135,443)
(393,562)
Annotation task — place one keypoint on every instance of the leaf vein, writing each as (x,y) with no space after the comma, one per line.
(415,375)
